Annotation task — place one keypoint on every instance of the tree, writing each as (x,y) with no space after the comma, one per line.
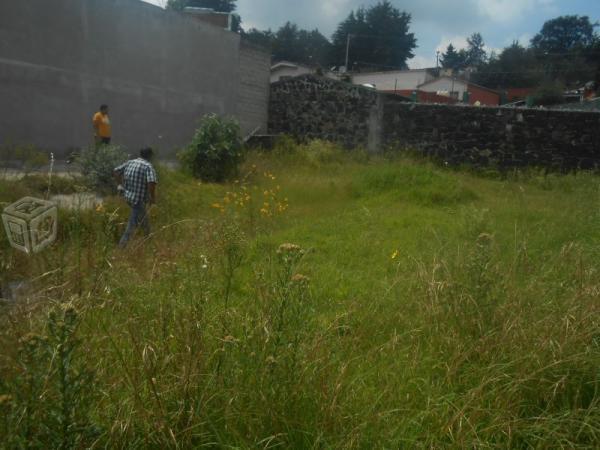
(564,34)
(564,46)
(285,45)
(516,66)
(264,38)
(315,49)
(476,54)
(593,58)
(293,44)
(452,59)
(379,38)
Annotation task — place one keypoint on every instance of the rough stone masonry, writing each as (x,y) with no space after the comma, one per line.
(313,107)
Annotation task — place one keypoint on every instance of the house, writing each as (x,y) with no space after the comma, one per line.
(426,97)
(395,80)
(462,91)
(287,69)
(208,15)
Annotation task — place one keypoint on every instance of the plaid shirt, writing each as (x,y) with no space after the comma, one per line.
(137,173)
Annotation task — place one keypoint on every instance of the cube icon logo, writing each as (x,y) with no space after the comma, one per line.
(31,224)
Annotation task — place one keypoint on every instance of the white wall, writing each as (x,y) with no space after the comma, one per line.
(446,84)
(397,80)
(285,71)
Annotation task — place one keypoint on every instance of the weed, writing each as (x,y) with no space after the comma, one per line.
(411,307)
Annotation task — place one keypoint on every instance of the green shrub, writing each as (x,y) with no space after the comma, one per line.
(26,158)
(97,165)
(548,94)
(314,153)
(215,151)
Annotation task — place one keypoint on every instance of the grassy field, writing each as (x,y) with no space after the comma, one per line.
(320,301)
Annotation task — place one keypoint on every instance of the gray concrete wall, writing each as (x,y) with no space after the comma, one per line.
(159,72)
(253,95)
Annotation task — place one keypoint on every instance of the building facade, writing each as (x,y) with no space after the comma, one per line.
(396,80)
(462,91)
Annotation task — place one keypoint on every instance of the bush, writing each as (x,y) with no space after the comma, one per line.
(97,165)
(215,151)
(26,158)
(548,94)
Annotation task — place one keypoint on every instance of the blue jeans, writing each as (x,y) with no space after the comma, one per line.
(137,218)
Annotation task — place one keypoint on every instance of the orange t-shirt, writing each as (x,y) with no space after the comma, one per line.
(101,125)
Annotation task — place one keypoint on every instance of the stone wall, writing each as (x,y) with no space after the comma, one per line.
(312,107)
(159,71)
(503,137)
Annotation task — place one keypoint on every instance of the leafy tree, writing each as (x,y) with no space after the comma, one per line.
(564,34)
(264,38)
(476,54)
(379,37)
(315,48)
(564,47)
(515,66)
(293,44)
(356,29)
(593,58)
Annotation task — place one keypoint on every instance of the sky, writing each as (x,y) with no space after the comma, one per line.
(435,23)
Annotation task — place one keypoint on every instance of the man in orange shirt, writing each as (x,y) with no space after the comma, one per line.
(101,122)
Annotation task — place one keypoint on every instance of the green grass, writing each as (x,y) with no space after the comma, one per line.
(437,309)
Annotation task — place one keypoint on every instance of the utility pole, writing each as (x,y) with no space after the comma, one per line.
(437,59)
(347,49)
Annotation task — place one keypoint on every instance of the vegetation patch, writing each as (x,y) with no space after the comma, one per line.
(298,306)
(424,184)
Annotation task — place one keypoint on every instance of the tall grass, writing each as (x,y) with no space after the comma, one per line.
(394,304)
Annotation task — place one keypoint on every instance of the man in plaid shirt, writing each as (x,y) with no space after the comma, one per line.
(138,179)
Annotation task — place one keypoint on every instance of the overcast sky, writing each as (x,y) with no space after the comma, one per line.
(435,23)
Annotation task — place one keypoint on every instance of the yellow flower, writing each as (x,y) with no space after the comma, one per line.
(216,205)
(395,254)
